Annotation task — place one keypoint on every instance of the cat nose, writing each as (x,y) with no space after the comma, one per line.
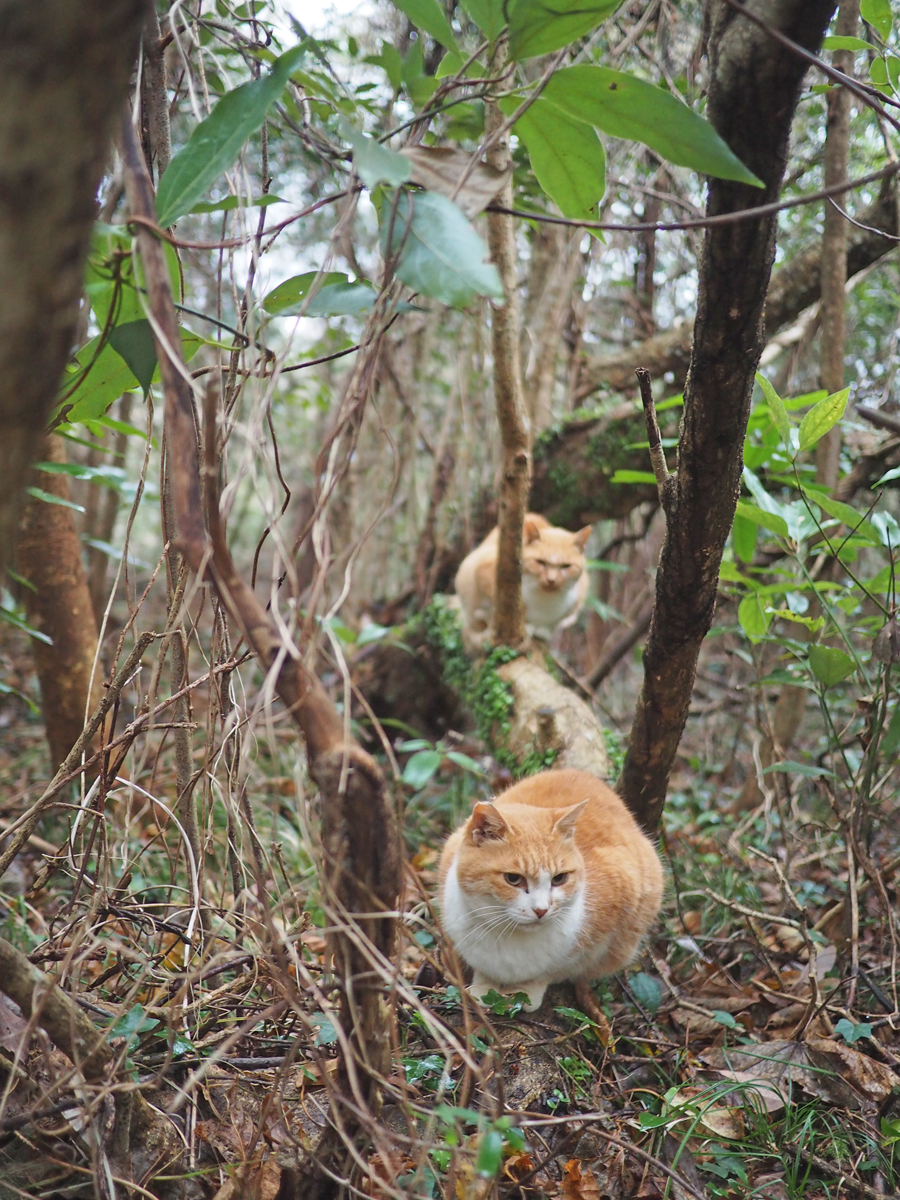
(540,912)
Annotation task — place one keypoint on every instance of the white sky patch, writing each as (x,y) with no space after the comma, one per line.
(333,17)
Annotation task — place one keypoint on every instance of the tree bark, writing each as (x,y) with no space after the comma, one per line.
(515,434)
(58,602)
(64,71)
(754,87)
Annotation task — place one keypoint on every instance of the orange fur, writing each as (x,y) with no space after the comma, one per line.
(554,580)
(524,935)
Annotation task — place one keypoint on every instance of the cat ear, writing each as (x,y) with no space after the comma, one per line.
(582,536)
(486,824)
(531,530)
(565,825)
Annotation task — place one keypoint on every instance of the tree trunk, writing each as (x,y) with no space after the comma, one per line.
(48,554)
(515,480)
(64,71)
(754,87)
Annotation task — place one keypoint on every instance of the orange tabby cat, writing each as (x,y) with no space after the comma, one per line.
(553,880)
(554,581)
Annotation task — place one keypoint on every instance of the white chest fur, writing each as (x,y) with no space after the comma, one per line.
(488,939)
(545,610)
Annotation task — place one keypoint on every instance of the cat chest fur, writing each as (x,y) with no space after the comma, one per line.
(545,610)
(488,941)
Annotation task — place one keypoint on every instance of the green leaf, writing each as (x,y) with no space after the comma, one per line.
(795,768)
(821,417)
(771,521)
(49,498)
(336,296)
(753,617)
(830,665)
(439,253)
(539,26)
(814,624)
(421,767)
(487,15)
(888,477)
(373,162)
(490,1153)
(646,991)
(391,63)
(844,512)
(216,142)
(232,202)
(724,1018)
(852,1033)
(776,408)
(567,157)
(877,13)
(891,740)
(327,1034)
(133,342)
(846,43)
(463,760)
(626,107)
(429,16)
(743,538)
(633,477)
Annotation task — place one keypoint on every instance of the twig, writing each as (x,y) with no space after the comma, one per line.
(881,420)
(665,483)
(621,645)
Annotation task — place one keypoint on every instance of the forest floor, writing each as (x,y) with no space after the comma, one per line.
(754,1050)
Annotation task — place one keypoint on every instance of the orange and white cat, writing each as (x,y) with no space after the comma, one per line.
(551,881)
(554,580)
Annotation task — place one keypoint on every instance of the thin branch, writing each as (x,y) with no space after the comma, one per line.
(665,483)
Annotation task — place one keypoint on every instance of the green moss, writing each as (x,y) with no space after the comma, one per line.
(480,688)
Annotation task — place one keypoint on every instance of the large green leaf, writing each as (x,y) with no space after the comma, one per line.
(743,538)
(335,296)
(439,253)
(776,408)
(539,26)
(877,13)
(768,520)
(626,107)
(830,665)
(429,16)
(216,142)
(134,343)
(567,157)
(821,417)
(487,15)
(373,162)
(754,617)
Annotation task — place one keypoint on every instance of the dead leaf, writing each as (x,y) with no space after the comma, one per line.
(774,1067)
(439,169)
(578,1184)
(518,1166)
(727,1122)
(869,1077)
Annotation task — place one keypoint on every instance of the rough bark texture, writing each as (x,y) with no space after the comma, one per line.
(48,557)
(64,70)
(754,86)
(509,611)
(833,324)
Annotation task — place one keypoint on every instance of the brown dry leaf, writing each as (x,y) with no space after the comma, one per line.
(775,1066)
(692,920)
(717,1118)
(518,1166)
(252,1183)
(578,1184)
(470,1185)
(382,1174)
(439,169)
(870,1078)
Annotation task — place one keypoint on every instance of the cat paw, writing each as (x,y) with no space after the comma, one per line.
(535,994)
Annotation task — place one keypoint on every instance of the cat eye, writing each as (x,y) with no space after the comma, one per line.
(560,879)
(512,878)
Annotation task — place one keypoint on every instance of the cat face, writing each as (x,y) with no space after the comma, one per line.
(521,867)
(553,557)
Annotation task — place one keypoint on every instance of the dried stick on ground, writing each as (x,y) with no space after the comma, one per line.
(515,480)
(359,828)
(754,87)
